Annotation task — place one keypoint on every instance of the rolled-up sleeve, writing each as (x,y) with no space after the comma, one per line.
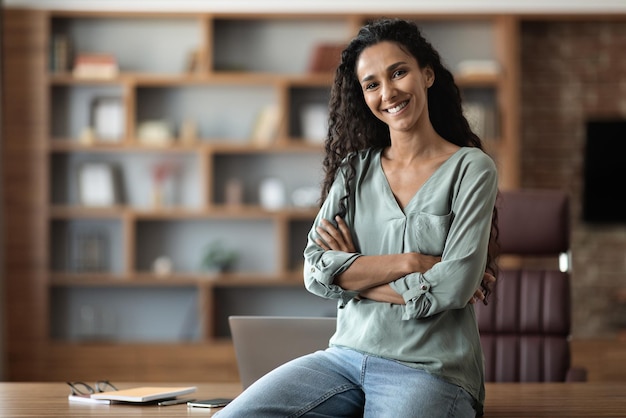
(414,289)
(321,266)
(319,274)
(451,283)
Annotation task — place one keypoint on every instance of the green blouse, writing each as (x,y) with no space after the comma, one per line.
(449,216)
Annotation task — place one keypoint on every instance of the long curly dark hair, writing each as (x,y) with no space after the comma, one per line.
(353,127)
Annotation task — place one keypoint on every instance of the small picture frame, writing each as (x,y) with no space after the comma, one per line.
(107,119)
(97,186)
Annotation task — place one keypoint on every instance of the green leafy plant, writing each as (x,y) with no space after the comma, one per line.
(218,258)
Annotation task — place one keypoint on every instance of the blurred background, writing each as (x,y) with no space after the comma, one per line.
(161,165)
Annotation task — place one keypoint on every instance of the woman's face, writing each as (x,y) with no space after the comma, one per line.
(394,86)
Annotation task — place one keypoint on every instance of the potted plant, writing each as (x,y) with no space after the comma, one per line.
(218,258)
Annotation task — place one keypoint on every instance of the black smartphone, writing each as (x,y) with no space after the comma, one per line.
(210,403)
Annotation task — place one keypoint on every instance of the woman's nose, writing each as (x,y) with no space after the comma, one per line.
(388,91)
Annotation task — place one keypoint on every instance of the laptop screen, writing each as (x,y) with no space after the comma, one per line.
(264,342)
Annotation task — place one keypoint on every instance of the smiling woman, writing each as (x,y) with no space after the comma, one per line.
(395,87)
(401,242)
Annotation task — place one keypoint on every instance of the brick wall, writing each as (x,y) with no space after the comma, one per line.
(571,71)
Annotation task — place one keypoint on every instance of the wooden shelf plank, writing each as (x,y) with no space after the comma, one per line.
(218,78)
(179,213)
(65,279)
(215,145)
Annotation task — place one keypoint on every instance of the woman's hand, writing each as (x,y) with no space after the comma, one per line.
(488,282)
(333,237)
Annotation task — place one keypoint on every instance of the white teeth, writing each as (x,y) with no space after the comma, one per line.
(397,108)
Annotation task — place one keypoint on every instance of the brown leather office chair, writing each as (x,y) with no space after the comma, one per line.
(525,329)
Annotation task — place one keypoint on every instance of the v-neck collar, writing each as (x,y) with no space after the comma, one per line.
(430,179)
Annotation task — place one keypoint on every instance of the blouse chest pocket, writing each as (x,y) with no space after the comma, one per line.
(431,232)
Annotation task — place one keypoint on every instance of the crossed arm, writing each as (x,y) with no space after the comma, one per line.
(370,275)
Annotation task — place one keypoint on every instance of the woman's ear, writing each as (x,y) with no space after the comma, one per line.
(429,76)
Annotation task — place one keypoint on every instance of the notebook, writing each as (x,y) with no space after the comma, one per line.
(264,342)
(143,394)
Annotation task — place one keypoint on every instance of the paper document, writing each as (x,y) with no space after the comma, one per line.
(87,399)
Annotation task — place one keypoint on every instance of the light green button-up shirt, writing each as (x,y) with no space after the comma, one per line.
(450,216)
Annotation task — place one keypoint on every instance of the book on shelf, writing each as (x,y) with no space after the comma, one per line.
(60,53)
(95,66)
(143,394)
(325,57)
(265,129)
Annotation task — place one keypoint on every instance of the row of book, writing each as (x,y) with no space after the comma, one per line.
(63,58)
(82,65)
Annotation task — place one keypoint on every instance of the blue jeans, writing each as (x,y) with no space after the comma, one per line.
(339,382)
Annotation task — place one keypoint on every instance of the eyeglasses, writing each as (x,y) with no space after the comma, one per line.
(83,389)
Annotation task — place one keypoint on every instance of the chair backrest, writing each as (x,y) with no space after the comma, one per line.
(525,328)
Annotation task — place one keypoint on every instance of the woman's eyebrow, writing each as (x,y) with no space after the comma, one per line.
(389,68)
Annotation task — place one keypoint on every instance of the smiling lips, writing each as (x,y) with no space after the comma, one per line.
(397,108)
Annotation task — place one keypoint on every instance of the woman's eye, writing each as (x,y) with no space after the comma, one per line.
(398,73)
(370,86)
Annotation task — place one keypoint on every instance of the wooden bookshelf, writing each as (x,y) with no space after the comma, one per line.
(43,121)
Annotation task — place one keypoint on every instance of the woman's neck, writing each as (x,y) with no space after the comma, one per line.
(408,147)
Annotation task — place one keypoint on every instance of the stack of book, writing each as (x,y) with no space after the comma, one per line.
(95,66)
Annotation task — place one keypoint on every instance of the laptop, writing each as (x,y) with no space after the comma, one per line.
(264,342)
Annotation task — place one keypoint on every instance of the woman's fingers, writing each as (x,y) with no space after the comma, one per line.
(327,233)
(478,295)
(345,233)
(489,280)
(322,244)
(334,238)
